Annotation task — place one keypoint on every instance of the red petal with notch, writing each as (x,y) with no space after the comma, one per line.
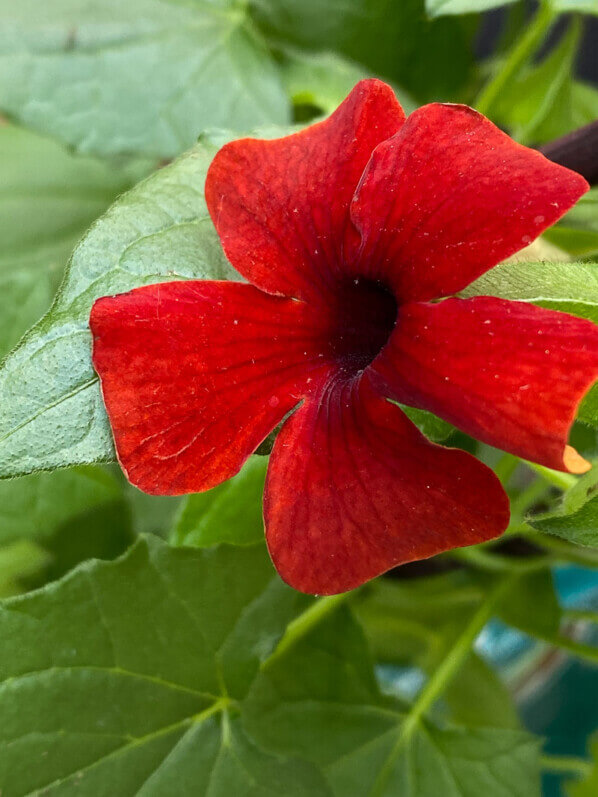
(281,208)
(354,488)
(508,373)
(449,197)
(196,374)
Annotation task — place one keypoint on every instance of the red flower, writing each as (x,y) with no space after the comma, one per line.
(346,231)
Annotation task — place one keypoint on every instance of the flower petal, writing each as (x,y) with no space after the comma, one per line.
(450,196)
(196,374)
(281,208)
(354,488)
(508,373)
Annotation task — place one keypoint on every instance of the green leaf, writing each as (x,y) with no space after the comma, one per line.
(142,76)
(576,519)
(429,59)
(438,8)
(433,427)
(52,411)
(124,678)
(538,104)
(231,512)
(531,604)
(73,514)
(318,701)
(584,6)
(20,562)
(49,197)
(577,233)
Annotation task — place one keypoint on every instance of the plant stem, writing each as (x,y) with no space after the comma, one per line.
(521,53)
(561,480)
(302,625)
(583,615)
(578,649)
(497,563)
(439,680)
(566,765)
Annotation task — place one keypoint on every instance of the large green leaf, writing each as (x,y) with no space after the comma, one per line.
(576,519)
(318,701)
(52,411)
(124,678)
(49,197)
(142,76)
(568,287)
(231,512)
(430,59)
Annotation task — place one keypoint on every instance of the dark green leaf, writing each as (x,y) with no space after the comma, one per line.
(52,410)
(123,678)
(142,76)
(231,512)
(531,604)
(576,519)
(430,59)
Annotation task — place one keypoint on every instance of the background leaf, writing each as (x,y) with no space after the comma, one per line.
(231,512)
(143,76)
(438,8)
(49,197)
(53,414)
(430,59)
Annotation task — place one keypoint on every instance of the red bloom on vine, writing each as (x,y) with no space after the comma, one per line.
(348,233)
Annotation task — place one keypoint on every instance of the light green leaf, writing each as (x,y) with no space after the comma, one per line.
(439,8)
(433,427)
(428,58)
(49,197)
(123,678)
(578,231)
(231,512)
(142,76)
(576,519)
(584,6)
(52,411)
(568,287)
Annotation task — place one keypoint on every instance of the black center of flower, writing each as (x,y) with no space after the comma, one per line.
(363,320)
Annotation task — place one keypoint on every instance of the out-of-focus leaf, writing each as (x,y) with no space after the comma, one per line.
(531,604)
(231,512)
(431,59)
(538,105)
(20,561)
(73,514)
(576,519)
(584,6)
(588,786)
(577,233)
(122,678)
(52,410)
(49,197)
(142,76)
(439,8)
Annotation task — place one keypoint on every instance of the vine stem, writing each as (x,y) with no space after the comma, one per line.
(566,765)
(521,53)
(440,679)
(302,625)
(558,479)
